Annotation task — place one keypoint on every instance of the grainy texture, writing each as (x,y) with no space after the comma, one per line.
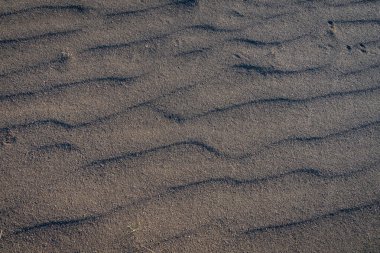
(189,126)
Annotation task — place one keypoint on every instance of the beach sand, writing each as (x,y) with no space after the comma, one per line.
(189,126)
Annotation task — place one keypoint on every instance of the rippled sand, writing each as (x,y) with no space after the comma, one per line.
(189,126)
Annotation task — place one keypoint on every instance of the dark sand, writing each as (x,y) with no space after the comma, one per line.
(190,126)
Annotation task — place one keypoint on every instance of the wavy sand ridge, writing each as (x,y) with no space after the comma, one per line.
(189,126)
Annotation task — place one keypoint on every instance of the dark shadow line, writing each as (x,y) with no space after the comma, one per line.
(257,230)
(57,223)
(330,135)
(68,126)
(193,52)
(267,4)
(131,155)
(174,117)
(265,71)
(176,3)
(352,3)
(208,28)
(359,71)
(204,27)
(358,21)
(61,59)
(279,100)
(53,122)
(39,36)
(255,181)
(119,80)
(134,12)
(260,43)
(70,7)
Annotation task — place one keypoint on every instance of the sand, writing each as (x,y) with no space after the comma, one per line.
(190,126)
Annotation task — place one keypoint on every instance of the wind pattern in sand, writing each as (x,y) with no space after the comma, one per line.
(189,126)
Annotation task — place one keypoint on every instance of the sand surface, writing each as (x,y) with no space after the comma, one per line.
(189,126)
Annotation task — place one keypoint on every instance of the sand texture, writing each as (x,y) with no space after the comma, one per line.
(189,126)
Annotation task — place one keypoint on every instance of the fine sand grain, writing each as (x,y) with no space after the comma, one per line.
(189,126)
